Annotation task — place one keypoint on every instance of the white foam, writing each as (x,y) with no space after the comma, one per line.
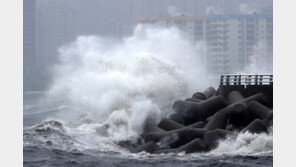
(245,144)
(121,83)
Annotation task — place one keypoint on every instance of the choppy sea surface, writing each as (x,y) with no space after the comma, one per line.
(52,140)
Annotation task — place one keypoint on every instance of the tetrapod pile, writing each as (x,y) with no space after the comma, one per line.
(199,122)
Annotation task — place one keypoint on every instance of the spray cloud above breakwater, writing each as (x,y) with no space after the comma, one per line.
(122,83)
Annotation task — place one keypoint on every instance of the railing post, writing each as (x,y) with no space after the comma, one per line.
(234,80)
(221,79)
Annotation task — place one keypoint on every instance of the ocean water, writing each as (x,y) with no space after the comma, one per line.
(49,141)
(102,92)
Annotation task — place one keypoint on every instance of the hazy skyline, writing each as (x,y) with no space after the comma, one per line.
(58,22)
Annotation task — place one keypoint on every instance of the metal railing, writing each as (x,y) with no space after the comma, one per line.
(232,79)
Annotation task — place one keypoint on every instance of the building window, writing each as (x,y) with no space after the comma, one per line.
(269,38)
(250,26)
(269,26)
(250,20)
(269,20)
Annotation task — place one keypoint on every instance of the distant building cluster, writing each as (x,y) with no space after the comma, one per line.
(232,39)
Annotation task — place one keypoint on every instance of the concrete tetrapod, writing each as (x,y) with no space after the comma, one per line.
(239,115)
(234,114)
(218,121)
(239,105)
(212,138)
(149,147)
(177,137)
(234,96)
(257,126)
(237,111)
(229,127)
(258,110)
(209,118)
(269,116)
(191,112)
(260,97)
(271,122)
(128,145)
(199,124)
(196,145)
(193,100)
(176,117)
(209,92)
(150,126)
(222,133)
(168,124)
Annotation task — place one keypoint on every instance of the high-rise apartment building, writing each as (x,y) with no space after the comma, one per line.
(234,41)
(195,27)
